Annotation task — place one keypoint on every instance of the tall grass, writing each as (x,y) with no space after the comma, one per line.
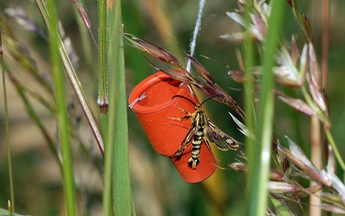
(270,187)
(259,154)
(7,134)
(117,196)
(61,112)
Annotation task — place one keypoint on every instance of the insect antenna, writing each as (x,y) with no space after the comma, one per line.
(188,99)
(209,98)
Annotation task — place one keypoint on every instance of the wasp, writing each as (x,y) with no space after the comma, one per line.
(202,129)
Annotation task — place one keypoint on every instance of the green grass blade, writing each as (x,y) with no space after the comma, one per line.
(259,161)
(9,159)
(117,178)
(249,95)
(74,80)
(103,36)
(62,120)
(102,102)
(122,194)
(33,114)
(85,32)
(104,26)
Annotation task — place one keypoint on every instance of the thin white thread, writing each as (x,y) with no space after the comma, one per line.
(195,33)
(138,99)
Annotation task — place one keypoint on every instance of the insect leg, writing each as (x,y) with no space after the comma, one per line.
(179,118)
(186,142)
(183,117)
(183,110)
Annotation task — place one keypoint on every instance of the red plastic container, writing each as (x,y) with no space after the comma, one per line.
(205,168)
(155,101)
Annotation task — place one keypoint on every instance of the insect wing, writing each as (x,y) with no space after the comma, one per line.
(187,140)
(222,140)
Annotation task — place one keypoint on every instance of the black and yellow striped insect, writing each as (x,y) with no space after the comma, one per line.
(202,129)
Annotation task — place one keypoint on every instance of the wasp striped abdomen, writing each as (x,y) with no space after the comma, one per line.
(202,129)
(196,146)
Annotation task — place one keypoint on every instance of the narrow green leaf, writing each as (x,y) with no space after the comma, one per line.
(61,113)
(104,31)
(260,160)
(74,80)
(9,158)
(102,102)
(117,178)
(249,94)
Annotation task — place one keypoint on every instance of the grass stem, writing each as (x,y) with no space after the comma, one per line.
(260,162)
(63,125)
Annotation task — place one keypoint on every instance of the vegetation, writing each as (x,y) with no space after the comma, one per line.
(66,150)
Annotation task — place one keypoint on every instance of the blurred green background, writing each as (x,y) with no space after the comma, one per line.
(157,187)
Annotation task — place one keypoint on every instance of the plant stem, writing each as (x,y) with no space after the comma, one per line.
(104,24)
(75,83)
(335,149)
(249,94)
(103,103)
(325,32)
(316,158)
(9,158)
(68,181)
(116,176)
(261,166)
